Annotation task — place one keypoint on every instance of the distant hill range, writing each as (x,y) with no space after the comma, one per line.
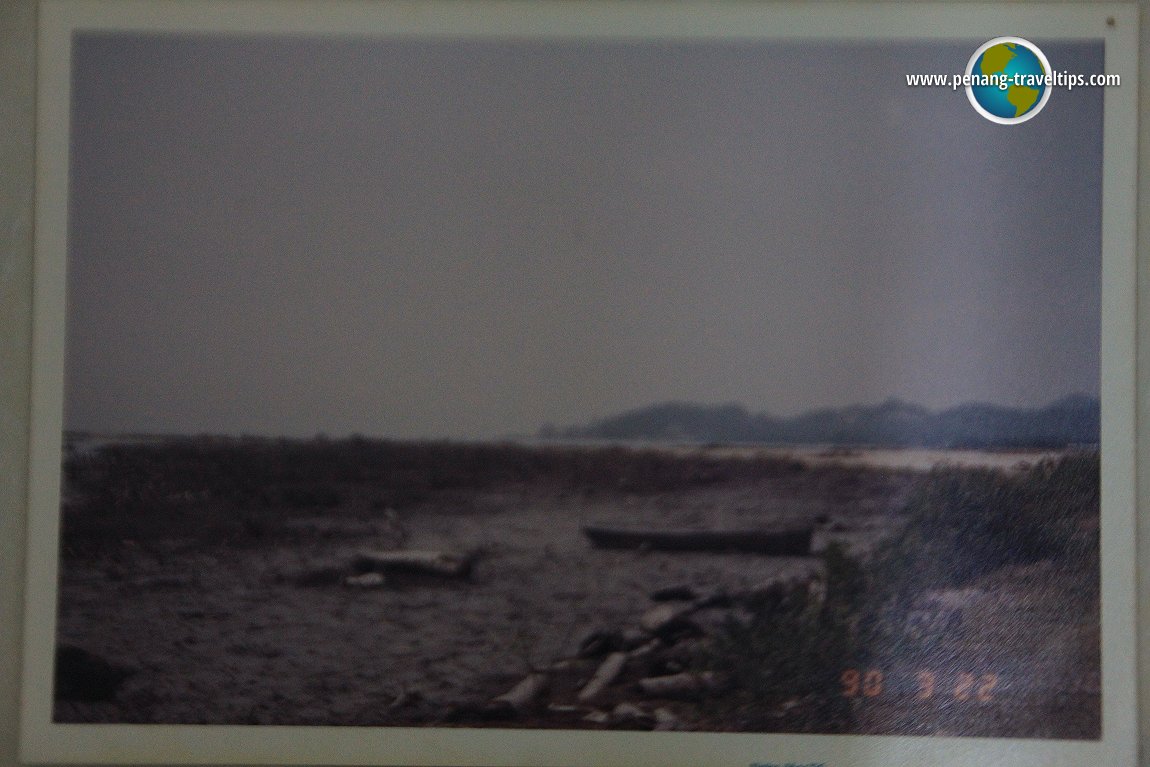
(894,423)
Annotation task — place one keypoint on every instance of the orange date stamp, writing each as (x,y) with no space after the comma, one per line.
(963,686)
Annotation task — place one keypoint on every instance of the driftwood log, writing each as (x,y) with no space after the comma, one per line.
(669,620)
(438,563)
(685,685)
(629,715)
(522,695)
(604,675)
(365,581)
(655,661)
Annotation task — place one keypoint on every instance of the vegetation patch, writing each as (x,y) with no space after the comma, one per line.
(787,661)
(242,490)
(963,524)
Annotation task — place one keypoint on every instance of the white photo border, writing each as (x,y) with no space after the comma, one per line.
(43,741)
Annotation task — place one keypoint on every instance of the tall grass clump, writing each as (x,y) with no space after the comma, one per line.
(963,524)
(787,655)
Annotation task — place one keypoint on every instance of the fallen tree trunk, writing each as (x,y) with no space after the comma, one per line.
(607,672)
(437,563)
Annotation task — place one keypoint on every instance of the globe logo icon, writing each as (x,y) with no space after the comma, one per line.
(1008,80)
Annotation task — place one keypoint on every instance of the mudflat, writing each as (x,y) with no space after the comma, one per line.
(220,576)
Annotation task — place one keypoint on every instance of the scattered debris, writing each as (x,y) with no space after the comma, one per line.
(658,660)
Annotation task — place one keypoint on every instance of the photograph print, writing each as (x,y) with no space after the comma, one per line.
(697,385)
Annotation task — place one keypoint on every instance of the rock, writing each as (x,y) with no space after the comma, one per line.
(85,676)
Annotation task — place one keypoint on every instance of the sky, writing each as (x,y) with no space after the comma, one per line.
(469,239)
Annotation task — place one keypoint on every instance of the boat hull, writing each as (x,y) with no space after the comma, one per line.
(780,543)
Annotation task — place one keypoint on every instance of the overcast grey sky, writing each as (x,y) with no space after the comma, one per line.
(472,238)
